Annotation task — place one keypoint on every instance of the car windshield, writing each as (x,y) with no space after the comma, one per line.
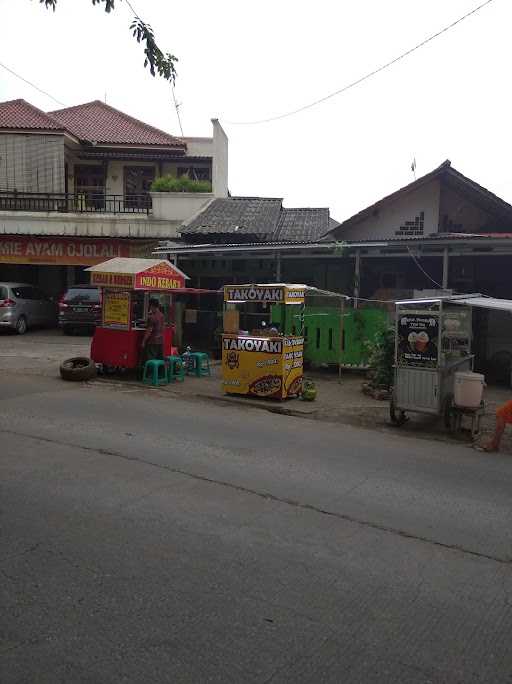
(3,292)
(82,294)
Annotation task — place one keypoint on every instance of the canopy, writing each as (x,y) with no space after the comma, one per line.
(477,300)
(138,274)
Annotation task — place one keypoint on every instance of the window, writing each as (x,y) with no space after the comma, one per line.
(25,292)
(195,172)
(78,295)
(90,183)
(137,184)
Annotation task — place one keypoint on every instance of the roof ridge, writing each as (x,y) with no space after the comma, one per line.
(130,118)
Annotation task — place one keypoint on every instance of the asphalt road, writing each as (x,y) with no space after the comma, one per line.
(146,539)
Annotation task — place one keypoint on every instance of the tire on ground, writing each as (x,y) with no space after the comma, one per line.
(78,369)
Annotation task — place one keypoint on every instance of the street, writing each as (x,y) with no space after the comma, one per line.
(149,539)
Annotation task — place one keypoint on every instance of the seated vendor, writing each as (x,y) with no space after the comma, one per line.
(153,340)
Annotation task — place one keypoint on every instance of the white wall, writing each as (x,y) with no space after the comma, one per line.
(220,160)
(390,219)
(32,162)
(199,147)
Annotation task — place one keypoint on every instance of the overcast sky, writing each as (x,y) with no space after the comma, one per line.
(242,60)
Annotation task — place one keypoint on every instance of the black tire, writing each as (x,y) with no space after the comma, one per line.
(448,413)
(397,416)
(78,369)
(21,325)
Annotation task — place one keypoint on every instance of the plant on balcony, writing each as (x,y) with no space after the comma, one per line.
(181,184)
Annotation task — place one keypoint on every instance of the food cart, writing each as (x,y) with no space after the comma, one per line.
(126,288)
(262,361)
(432,344)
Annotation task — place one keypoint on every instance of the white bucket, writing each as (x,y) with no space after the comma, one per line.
(468,389)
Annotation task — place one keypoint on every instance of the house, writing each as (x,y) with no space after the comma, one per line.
(443,230)
(221,243)
(75,188)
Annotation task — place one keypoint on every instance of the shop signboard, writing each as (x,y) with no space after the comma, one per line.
(160,277)
(418,336)
(264,294)
(72,251)
(116,309)
(269,367)
(122,280)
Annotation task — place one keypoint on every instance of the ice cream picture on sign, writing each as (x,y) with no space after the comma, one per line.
(418,340)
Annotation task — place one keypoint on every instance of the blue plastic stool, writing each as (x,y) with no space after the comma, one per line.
(155,373)
(199,364)
(175,368)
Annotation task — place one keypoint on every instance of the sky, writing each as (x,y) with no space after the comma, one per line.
(241,61)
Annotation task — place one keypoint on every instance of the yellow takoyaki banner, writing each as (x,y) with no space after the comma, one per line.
(270,367)
(270,294)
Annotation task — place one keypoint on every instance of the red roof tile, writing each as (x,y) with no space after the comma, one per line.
(19,114)
(98,122)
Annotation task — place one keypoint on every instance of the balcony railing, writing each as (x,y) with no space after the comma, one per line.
(80,202)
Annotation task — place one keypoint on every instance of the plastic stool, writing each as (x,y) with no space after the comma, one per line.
(175,368)
(200,364)
(155,373)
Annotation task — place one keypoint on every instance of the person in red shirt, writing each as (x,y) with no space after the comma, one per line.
(503,418)
(153,340)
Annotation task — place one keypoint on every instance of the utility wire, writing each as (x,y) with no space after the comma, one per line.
(366,76)
(33,85)
(440,287)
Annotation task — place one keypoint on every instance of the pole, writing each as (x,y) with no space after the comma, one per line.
(278,267)
(445,268)
(357,274)
(340,348)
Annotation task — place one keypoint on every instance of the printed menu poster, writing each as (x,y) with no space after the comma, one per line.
(417,340)
(116,309)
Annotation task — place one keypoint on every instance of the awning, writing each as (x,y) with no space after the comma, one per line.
(138,274)
(485,303)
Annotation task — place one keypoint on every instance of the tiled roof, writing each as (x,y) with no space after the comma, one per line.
(258,218)
(20,115)
(98,122)
(300,225)
(243,216)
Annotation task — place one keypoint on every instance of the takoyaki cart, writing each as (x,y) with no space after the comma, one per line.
(432,344)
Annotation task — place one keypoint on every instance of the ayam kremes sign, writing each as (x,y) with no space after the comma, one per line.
(60,251)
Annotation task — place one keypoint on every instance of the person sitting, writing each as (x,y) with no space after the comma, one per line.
(503,417)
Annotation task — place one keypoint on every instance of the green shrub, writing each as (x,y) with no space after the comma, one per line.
(181,184)
(381,358)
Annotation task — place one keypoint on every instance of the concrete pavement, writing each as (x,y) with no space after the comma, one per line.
(179,541)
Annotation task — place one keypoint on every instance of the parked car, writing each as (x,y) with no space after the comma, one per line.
(80,309)
(24,306)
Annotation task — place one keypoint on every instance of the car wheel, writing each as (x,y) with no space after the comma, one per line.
(21,325)
(78,369)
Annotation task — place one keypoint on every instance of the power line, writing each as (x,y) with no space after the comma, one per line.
(33,85)
(366,76)
(440,287)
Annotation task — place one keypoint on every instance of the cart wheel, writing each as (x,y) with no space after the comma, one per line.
(397,416)
(449,413)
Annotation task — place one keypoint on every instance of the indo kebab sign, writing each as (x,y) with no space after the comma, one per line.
(60,251)
(418,336)
(273,294)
